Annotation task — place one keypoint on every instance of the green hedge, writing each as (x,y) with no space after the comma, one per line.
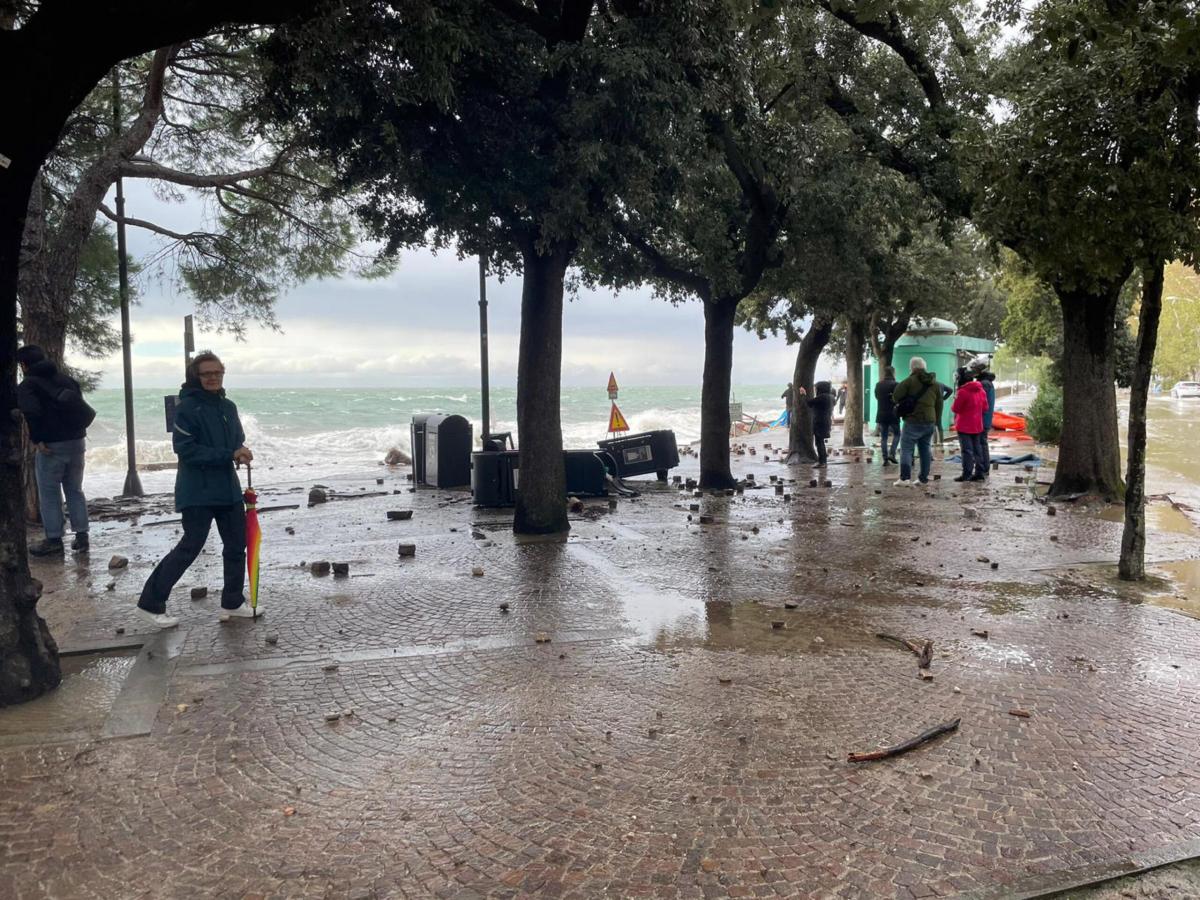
(1044,420)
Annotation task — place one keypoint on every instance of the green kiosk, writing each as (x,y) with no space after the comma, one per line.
(944,350)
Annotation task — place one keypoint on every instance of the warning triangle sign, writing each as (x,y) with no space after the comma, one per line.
(612,386)
(616,421)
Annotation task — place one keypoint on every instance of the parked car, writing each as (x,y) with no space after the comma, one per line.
(1186,389)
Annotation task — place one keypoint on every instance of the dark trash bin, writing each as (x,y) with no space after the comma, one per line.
(494,477)
(641,454)
(417,439)
(447,451)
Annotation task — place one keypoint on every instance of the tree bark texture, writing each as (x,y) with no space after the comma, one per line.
(50,64)
(800,432)
(714,395)
(1132,565)
(1089,455)
(852,424)
(541,495)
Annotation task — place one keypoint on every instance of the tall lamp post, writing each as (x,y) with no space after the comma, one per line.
(483,347)
(133,484)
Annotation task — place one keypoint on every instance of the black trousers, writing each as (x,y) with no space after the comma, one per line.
(197,520)
(822,453)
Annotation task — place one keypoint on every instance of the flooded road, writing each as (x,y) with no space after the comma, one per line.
(1173,446)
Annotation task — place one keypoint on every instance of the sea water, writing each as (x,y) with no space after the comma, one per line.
(326,431)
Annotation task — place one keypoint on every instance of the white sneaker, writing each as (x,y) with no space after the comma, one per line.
(902,482)
(162,620)
(245,611)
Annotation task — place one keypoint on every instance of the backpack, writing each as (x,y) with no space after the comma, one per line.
(908,403)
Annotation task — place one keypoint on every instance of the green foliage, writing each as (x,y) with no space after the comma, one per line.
(1177,356)
(1044,419)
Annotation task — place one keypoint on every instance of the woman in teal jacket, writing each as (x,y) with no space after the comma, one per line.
(209,441)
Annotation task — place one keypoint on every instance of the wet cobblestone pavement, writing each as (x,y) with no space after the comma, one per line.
(401,735)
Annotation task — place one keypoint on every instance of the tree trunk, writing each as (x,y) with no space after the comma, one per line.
(1132,566)
(28,655)
(714,394)
(800,431)
(1089,456)
(852,424)
(542,494)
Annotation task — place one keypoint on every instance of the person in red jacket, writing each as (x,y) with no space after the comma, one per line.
(970,404)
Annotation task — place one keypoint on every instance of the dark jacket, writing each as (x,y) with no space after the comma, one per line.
(885,409)
(207,431)
(43,396)
(822,409)
(929,407)
(989,388)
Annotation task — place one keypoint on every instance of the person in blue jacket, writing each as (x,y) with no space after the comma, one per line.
(209,441)
(987,379)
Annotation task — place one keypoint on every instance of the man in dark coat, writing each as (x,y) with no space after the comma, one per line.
(57,417)
(209,441)
(822,417)
(885,416)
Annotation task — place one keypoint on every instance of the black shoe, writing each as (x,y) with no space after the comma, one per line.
(886,462)
(977,478)
(962,478)
(48,547)
(894,460)
(80,544)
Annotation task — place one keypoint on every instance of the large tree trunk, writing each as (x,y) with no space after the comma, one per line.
(541,496)
(852,424)
(1132,565)
(800,431)
(28,655)
(1089,456)
(714,394)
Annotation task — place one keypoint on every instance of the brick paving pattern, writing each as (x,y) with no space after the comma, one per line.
(403,736)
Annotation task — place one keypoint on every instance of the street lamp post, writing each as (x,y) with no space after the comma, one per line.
(483,347)
(133,484)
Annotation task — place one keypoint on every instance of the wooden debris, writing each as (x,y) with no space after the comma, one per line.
(980,633)
(923,651)
(910,744)
(1020,713)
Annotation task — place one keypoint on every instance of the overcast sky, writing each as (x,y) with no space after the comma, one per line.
(421,326)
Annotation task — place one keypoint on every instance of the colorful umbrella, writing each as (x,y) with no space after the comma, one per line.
(253,538)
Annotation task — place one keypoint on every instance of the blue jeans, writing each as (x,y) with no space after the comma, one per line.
(61,471)
(886,428)
(973,448)
(919,434)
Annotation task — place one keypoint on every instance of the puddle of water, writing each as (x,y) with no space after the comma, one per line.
(1160,516)
(1181,587)
(78,706)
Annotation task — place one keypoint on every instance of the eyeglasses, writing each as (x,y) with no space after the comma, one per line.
(215,373)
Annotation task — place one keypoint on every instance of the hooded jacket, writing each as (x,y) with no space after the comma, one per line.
(969,407)
(822,409)
(987,379)
(44,396)
(207,431)
(885,409)
(929,406)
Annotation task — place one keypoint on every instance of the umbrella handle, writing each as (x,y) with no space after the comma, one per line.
(249,477)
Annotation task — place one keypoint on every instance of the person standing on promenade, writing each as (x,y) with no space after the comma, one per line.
(841,398)
(968,407)
(209,441)
(58,418)
(987,379)
(918,400)
(822,417)
(885,416)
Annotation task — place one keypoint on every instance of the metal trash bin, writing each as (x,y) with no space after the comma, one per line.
(416,433)
(448,443)
(494,477)
(585,472)
(641,454)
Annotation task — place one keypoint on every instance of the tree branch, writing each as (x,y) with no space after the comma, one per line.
(157,229)
(660,266)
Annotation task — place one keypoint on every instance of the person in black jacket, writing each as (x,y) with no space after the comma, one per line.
(822,417)
(57,417)
(885,415)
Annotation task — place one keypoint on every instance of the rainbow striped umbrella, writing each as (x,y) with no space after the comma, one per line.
(253,542)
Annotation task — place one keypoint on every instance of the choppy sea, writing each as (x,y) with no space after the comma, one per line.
(331,430)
